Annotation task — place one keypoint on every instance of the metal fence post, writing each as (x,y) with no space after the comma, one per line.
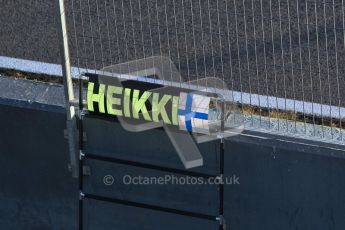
(67,83)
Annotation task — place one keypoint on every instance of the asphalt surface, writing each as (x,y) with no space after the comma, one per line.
(129,31)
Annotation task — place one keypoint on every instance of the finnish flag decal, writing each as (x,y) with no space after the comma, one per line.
(193,112)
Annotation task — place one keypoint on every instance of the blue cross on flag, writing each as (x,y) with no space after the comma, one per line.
(193,112)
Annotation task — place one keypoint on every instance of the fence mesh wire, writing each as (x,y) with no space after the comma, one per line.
(284,57)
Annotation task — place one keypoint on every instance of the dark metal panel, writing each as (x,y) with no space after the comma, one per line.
(282,187)
(109,139)
(103,215)
(187,196)
(36,189)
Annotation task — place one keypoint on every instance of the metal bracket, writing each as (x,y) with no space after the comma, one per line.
(86,170)
(81,155)
(83,77)
(82,114)
(221,221)
(81,195)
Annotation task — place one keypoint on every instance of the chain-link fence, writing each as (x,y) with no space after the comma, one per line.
(282,60)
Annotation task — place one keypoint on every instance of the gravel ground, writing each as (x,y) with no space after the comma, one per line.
(28,31)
